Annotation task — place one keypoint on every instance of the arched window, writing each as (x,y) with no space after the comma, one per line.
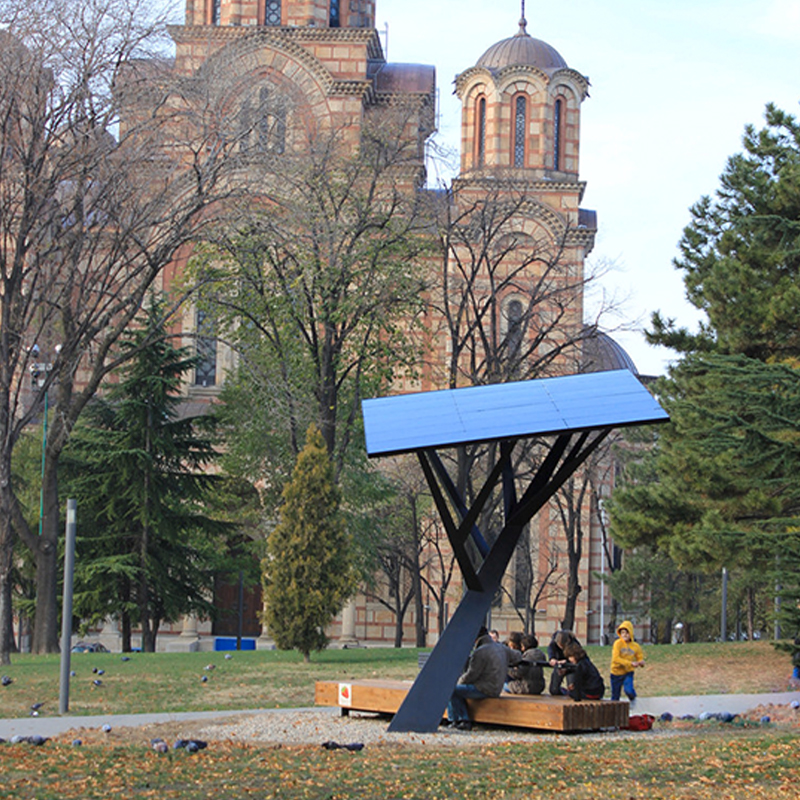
(558,133)
(520,120)
(272,13)
(205,371)
(480,132)
(335,22)
(216,7)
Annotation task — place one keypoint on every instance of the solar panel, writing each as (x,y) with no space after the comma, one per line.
(451,417)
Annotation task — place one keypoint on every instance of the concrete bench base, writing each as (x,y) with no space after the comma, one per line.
(538,712)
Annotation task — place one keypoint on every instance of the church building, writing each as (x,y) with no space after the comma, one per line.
(291,65)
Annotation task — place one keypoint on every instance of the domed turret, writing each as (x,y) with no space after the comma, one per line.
(521,110)
(522,50)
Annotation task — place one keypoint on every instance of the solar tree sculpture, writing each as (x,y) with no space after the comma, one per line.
(578,411)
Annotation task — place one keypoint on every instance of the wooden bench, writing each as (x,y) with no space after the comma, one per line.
(540,712)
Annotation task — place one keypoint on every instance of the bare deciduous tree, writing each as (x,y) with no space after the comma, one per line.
(318,287)
(510,299)
(108,166)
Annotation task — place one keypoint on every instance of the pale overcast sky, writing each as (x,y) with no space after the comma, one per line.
(673,83)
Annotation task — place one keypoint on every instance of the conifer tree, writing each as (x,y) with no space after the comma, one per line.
(724,486)
(307,574)
(140,473)
(740,254)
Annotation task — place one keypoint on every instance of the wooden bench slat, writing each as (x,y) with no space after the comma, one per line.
(541,712)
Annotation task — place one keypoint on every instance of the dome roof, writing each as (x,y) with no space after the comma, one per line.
(601,353)
(522,50)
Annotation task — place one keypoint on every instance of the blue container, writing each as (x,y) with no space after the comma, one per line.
(229,643)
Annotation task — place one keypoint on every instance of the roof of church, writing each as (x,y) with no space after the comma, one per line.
(601,353)
(521,49)
(413,78)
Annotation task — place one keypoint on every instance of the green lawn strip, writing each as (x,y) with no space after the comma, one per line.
(711,764)
(173,682)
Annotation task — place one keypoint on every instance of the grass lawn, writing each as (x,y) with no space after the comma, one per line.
(272,679)
(710,764)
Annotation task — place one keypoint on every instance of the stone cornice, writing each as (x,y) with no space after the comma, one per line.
(499,76)
(185,34)
(515,183)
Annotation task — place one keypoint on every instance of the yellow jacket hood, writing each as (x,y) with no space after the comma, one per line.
(628,626)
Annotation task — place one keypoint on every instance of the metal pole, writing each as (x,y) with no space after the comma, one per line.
(66,610)
(240,628)
(44,456)
(723,625)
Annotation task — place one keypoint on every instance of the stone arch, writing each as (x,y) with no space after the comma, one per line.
(306,82)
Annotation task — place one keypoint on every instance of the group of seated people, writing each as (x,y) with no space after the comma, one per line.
(518,667)
(565,655)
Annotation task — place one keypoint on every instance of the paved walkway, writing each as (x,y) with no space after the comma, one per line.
(53,725)
(711,703)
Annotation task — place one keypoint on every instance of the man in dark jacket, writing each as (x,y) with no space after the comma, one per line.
(484,676)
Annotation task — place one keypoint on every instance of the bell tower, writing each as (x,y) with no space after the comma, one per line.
(520,129)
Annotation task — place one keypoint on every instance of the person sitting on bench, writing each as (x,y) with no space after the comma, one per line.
(528,676)
(557,659)
(484,676)
(584,681)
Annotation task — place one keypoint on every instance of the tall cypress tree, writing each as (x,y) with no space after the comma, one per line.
(308,572)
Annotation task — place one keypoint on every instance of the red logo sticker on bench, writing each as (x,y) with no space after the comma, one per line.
(345,695)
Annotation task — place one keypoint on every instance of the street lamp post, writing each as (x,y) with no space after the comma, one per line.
(39,370)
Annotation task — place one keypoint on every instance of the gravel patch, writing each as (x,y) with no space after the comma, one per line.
(319,726)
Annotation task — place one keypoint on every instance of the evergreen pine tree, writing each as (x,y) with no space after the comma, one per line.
(148,549)
(308,572)
(725,469)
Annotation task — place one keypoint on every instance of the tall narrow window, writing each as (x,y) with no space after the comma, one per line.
(514,313)
(558,123)
(216,6)
(334,17)
(205,373)
(271,131)
(520,116)
(272,13)
(481,131)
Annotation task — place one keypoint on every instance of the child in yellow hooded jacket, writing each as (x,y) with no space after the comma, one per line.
(625,657)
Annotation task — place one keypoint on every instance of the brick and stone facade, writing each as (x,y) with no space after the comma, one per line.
(520,140)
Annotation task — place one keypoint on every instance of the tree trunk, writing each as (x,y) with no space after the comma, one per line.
(45,624)
(399,613)
(155,624)
(751,612)
(148,639)
(416,577)
(148,645)
(328,396)
(125,621)
(6,613)
(125,629)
